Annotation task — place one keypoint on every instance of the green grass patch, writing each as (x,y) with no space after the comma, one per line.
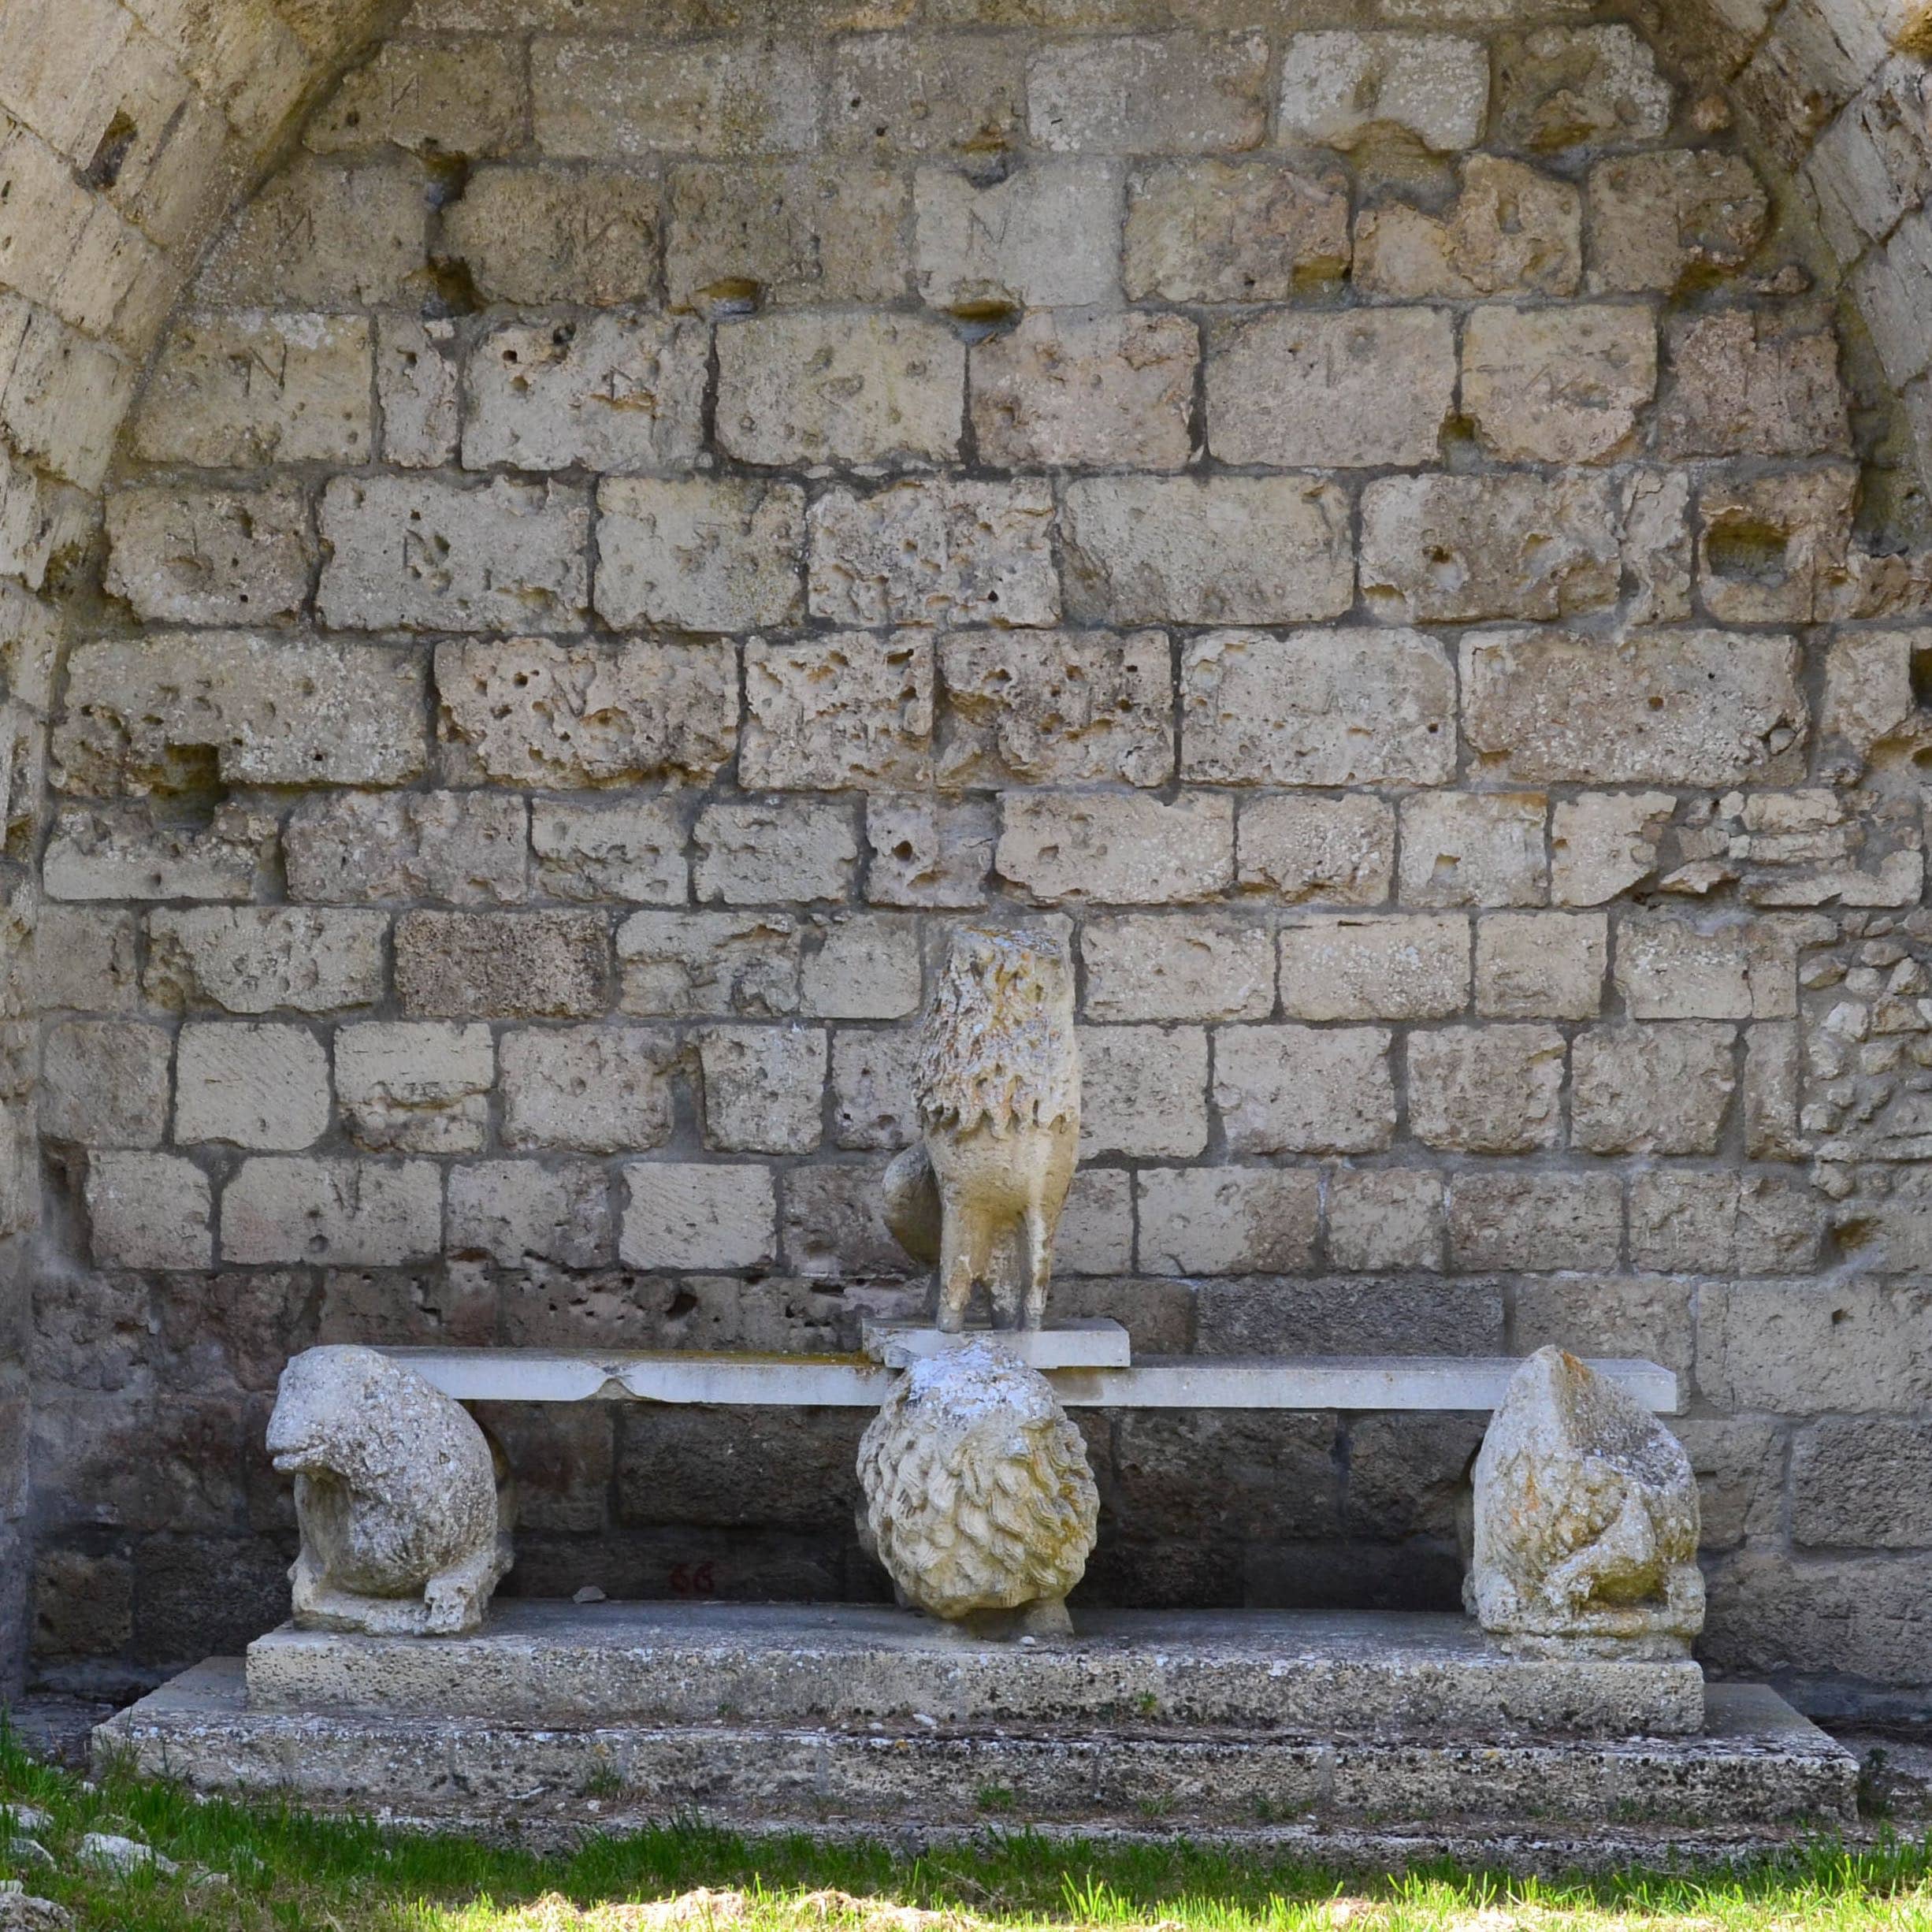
(267,1867)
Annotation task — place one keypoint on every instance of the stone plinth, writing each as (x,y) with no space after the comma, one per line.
(1084,1344)
(1294,1672)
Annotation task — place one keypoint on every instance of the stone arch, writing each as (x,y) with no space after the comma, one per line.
(136,170)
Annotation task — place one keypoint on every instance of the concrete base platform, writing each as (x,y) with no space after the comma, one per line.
(1758,1774)
(1350,1674)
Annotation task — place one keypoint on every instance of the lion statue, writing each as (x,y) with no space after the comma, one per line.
(1584,1519)
(978,1498)
(403,1533)
(998,1090)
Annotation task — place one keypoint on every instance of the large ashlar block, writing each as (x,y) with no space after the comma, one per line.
(1320,708)
(415,1086)
(1121,849)
(285,1208)
(256,959)
(1585,1520)
(466,848)
(1675,707)
(1337,89)
(1512,230)
(502,965)
(1305,1090)
(1340,849)
(323,235)
(722,98)
(1560,87)
(1233,231)
(548,234)
(700,553)
(1395,966)
(411,553)
(263,1086)
(1047,235)
(849,711)
(194,556)
(1258,550)
(1657,219)
(144,714)
(1559,385)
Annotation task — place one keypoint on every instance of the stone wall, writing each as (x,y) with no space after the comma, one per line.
(1360,522)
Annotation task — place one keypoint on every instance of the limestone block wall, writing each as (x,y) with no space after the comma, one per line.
(1385,529)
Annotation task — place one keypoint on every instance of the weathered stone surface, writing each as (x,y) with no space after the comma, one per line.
(1143,1092)
(1227,231)
(683,963)
(122,854)
(790,849)
(526,711)
(1559,88)
(1720,968)
(418,555)
(628,852)
(518,1212)
(1339,88)
(416,1087)
(934,552)
(764,1088)
(1384,1218)
(1402,966)
(1116,848)
(395,1494)
(255,959)
(282,1208)
(1304,1090)
(1510,231)
(360,848)
(322,235)
(1603,843)
(105,1082)
(263,1087)
(848,711)
(859,966)
(1259,550)
(1861,1482)
(1541,965)
(840,389)
(417,393)
(1363,388)
(719,96)
(911,93)
(84,959)
(1722,1223)
(537,235)
(593,1090)
(1535,1221)
(1342,850)
(148,1210)
(1486,1089)
(612,392)
(1316,708)
(1010,1531)
(1683,708)
(778,234)
(253,387)
(1644,1089)
(1559,385)
(1585,1517)
(1045,236)
(928,852)
(1166,93)
(1474,849)
(501,965)
(1658,221)
(1226,1220)
(683,1214)
(699,554)
(1076,390)
(145,714)
(1772,550)
(1055,708)
(194,556)
(465,94)
(1150,967)
(1741,387)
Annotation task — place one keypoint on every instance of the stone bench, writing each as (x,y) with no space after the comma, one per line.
(1470,1383)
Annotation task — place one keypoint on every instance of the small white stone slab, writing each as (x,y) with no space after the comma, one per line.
(1088,1342)
(1471,1383)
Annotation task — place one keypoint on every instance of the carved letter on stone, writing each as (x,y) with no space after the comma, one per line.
(978,1499)
(1585,1520)
(395,1494)
(998,1087)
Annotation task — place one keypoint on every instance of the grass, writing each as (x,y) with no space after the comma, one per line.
(267,1868)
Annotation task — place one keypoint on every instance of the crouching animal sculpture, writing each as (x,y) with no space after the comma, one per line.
(396,1496)
(978,1498)
(998,1090)
(1585,1520)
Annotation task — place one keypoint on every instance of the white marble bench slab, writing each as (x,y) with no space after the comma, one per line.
(1352,1382)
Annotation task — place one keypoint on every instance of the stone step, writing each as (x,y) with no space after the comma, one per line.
(1387,1674)
(1757,1770)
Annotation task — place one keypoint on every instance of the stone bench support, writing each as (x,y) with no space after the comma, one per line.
(1470,1383)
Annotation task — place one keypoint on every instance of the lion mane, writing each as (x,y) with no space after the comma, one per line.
(998,1039)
